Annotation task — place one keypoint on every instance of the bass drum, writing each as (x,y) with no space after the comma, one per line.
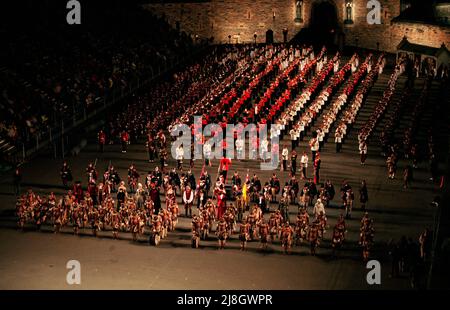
(154,239)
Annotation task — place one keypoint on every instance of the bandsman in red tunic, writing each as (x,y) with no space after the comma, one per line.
(316,164)
(221,200)
(125,139)
(101,140)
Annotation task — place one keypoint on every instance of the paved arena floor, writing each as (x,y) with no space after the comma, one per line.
(37,260)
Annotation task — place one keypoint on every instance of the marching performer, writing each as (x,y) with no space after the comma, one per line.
(197,224)
(349,203)
(301,227)
(314,145)
(363,151)
(101,140)
(133,178)
(304,165)
(92,173)
(220,193)
(313,237)
(274,187)
(316,165)
(180,155)
(338,234)
(363,195)
(188,199)
(66,174)
(366,236)
(222,232)
(125,139)
(286,238)
(115,223)
(285,157)
(263,233)
(244,234)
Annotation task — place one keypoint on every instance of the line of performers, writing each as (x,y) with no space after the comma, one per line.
(254,227)
(139,209)
(68,211)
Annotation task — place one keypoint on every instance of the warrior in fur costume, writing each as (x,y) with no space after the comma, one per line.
(263,233)
(222,233)
(244,234)
(338,234)
(301,227)
(286,238)
(366,236)
(313,237)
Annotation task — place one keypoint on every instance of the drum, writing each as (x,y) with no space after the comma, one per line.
(154,239)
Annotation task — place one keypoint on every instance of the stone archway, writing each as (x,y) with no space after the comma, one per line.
(324,22)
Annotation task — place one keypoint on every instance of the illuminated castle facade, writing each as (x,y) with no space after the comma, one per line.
(245,21)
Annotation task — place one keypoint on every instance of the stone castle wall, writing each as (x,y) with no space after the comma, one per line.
(241,19)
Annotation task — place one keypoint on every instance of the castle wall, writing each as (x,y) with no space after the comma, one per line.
(241,19)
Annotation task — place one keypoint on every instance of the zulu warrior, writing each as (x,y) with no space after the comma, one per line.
(301,227)
(338,234)
(264,233)
(286,238)
(366,236)
(313,237)
(222,232)
(244,234)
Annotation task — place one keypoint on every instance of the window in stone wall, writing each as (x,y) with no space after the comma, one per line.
(348,12)
(298,11)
